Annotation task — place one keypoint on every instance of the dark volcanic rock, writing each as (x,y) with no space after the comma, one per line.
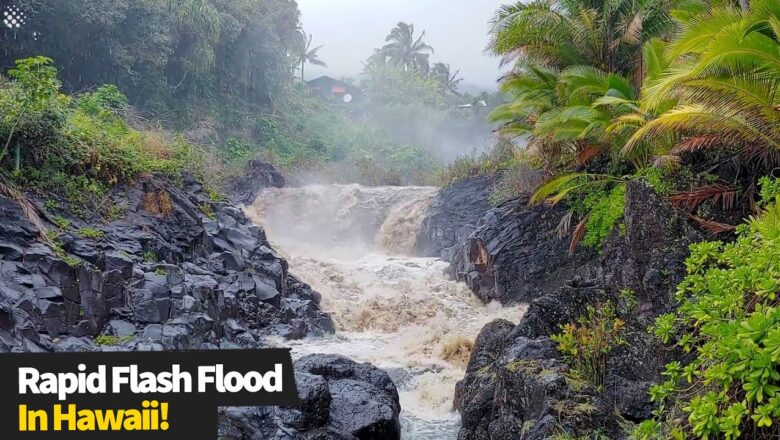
(451,216)
(523,394)
(177,271)
(515,385)
(650,258)
(258,175)
(340,399)
(514,254)
(335,367)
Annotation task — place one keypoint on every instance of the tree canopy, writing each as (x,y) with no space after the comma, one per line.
(173,58)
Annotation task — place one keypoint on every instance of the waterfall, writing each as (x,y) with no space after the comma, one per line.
(353,244)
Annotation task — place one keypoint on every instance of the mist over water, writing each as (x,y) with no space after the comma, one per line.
(352,244)
(444,137)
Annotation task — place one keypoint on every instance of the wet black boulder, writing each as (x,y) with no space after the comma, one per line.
(340,399)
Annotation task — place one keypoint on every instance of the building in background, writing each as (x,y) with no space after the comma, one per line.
(334,91)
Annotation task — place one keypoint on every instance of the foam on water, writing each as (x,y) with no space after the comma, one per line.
(398,312)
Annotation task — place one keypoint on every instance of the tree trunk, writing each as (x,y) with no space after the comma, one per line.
(18,162)
(744,4)
(303,76)
(11,134)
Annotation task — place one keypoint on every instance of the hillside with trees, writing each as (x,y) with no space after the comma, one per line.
(227,75)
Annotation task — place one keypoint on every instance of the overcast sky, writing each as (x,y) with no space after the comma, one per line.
(351,29)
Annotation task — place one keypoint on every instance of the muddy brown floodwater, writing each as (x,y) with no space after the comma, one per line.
(401,313)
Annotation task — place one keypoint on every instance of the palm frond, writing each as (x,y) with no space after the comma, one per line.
(32,212)
(564,226)
(712,226)
(695,144)
(717,193)
(588,153)
(578,235)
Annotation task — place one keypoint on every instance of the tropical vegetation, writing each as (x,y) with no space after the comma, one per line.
(625,90)
(729,320)
(308,54)
(682,95)
(224,74)
(79,147)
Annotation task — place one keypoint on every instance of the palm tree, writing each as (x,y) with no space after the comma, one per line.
(308,54)
(449,81)
(723,86)
(607,34)
(565,113)
(378,59)
(555,42)
(403,49)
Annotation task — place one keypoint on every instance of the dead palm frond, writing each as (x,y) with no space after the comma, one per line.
(31,211)
(578,235)
(718,193)
(564,226)
(712,226)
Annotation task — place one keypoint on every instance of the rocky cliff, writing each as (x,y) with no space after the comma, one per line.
(509,253)
(451,217)
(174,271)
(517,385)
(513,255)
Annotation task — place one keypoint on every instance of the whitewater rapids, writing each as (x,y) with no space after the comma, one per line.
(353,245)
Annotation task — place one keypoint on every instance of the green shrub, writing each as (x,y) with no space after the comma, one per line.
(730,321)
(605,212)
(51,205)
(105,101)
(207,210)
(61,222)
(113,212)
(628,300)
(659,178)
(598,200)
(588,343)
(770,189)
(79,148)
(237,150)
(32,114)
(91,233)
(56,245)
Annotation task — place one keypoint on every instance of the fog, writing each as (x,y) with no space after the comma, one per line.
(351,29)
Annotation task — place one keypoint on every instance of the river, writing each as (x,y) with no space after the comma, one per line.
(353,244)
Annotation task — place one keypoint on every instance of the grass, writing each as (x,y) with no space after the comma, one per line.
(517,171)
(112,341)
(78,147)
(61,222)
(207,210)
(158,203)
(91,233)
(56,244)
